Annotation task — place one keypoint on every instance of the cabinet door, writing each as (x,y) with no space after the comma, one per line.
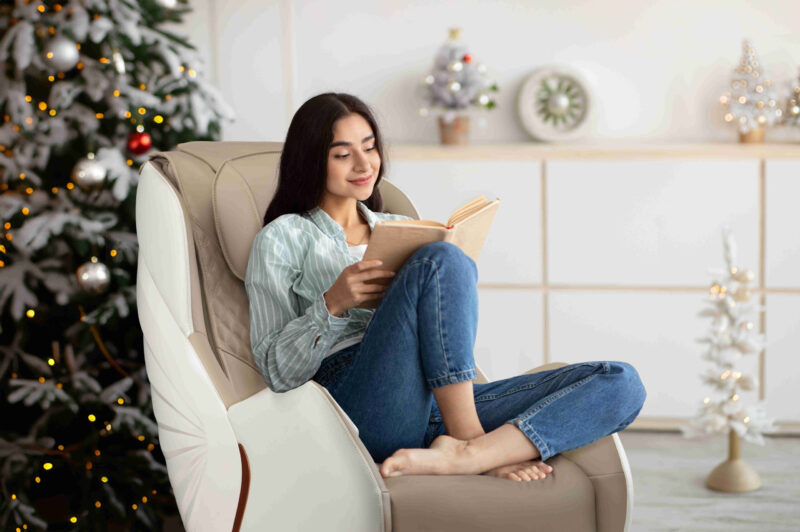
(653,222)
(782,254)
(511,253)
(509,340)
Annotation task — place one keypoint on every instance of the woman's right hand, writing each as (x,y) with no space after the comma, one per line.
(351,288)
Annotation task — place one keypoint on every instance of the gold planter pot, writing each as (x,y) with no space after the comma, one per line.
(754,136)
(456,132)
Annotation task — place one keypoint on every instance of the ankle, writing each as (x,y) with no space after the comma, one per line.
(466,435)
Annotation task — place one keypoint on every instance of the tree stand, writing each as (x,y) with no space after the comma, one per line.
(734,475)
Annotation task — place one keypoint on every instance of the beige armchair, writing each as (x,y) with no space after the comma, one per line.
(241,457)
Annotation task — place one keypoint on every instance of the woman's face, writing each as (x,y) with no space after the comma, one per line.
(352,156)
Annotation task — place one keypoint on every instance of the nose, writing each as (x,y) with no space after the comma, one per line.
(362,161)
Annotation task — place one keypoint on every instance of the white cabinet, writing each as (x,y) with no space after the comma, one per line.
(648,222)
(603,253)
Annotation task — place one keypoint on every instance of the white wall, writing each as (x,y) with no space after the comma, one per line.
(657,68)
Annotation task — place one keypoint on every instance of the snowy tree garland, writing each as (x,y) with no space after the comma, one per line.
(731,337)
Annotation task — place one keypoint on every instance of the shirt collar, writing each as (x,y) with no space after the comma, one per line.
(329,226)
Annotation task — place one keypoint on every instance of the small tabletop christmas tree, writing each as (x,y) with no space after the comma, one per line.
(751,103)
(456,83)
(731,337)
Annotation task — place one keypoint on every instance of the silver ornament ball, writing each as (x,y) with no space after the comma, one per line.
(61,54)
(93,277)
(89,173)
(558,103)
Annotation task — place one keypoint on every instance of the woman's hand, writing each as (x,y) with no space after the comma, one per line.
(351,288)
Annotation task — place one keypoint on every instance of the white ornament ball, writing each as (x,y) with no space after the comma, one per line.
(119,61)
(61,54)
(62,298)
(93,276)
(89,173)
(455,66)
(454,86)
(429,79)
(169,4)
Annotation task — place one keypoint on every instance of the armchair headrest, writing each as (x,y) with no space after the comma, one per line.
(244,176)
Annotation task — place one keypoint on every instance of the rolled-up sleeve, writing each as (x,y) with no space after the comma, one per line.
(284,339)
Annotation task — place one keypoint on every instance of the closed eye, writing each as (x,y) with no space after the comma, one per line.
(347,154)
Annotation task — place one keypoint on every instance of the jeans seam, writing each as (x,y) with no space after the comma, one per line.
(546,451)
(534,385)
(453,378)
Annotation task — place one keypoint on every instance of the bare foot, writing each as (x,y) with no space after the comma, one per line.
(445,456)
(522,472)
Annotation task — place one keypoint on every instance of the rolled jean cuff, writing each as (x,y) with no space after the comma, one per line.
(544,450)
(453,378)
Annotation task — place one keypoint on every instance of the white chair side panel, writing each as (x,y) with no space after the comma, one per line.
(782,366)
(307,472)
(163,243)
(202,454)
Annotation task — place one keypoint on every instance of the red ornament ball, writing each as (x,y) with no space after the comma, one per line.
(467,58)
(139,143)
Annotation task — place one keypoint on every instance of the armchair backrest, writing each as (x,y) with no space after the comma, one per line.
(224,189)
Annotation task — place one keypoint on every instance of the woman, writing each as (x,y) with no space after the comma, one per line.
(403,372)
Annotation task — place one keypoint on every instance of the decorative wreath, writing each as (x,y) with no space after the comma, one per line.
(554,103)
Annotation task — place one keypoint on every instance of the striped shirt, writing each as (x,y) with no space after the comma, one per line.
(294,260)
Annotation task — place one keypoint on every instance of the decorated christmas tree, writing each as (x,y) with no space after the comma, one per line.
(87,89)
(751,103)
(731,337)
(456,82)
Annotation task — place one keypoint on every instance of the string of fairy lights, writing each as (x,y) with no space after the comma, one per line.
(137,117)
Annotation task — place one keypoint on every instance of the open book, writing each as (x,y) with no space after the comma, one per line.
(395,241)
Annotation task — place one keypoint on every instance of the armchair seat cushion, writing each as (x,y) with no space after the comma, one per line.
(564,500)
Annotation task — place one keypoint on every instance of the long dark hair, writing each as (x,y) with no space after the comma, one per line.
(302,175)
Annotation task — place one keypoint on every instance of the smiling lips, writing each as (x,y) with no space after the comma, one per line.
(362,181)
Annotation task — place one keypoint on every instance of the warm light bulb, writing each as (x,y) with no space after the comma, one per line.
(47,466)
(92,418)
(30,313)
(51,361)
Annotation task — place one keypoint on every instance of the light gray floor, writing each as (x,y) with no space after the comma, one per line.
(669,473)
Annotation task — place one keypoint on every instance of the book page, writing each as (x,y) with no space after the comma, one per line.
(465,210)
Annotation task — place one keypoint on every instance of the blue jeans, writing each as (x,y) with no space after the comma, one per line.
(422,336)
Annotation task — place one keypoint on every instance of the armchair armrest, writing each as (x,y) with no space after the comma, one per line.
(302,449)
(606,465)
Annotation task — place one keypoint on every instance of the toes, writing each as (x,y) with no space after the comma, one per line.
(513,476)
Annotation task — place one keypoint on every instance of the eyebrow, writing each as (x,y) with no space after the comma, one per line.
(344,143)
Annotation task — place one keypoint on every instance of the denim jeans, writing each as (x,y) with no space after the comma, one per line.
(422,336)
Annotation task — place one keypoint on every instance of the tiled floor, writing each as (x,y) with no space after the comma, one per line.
(669,473)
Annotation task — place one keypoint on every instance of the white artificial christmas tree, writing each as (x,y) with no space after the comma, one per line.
(751,103)
(732,336)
